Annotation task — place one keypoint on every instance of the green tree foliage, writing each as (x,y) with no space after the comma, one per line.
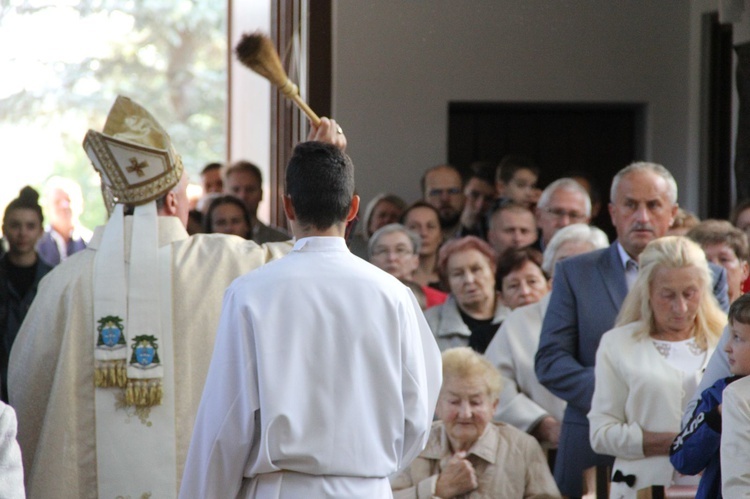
(168,55)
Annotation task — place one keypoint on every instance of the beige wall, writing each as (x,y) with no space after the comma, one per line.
(398,63)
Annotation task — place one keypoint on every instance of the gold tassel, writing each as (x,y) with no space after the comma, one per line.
(155,393)
(122,375)
(146,393)
(129,396)
(151,393)
(142,394)
(110,374)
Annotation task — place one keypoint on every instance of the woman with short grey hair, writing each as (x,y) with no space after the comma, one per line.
(395,249)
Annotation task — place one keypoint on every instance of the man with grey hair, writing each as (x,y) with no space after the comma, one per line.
(395,249)
(587,293)
(562,203)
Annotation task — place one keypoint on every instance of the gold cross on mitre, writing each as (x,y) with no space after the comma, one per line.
(137,167)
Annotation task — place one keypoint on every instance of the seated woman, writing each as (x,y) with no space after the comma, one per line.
(649,365)
(466,453)
(473,311)
(21,269)
(227,215)
(424,219)
(520,278)
(524,402)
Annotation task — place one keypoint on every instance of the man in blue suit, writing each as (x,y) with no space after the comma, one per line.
(587,293)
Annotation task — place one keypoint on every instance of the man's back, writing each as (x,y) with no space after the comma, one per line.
(52,368)
(329,350)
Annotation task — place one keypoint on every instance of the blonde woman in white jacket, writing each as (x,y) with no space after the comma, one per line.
(648,367)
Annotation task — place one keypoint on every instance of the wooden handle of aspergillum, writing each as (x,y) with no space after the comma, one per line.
(306,109)
(292,91)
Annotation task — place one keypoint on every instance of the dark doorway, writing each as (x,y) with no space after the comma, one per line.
(716,113)
(597,139)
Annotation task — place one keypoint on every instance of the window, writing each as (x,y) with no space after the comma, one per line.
(64,61)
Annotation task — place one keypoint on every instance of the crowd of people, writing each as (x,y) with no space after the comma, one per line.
(565,358)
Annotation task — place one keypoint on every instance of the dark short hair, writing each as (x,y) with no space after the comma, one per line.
(208,220)
(482,170)
(511,163)
(210,167)
(243,166)
(28,199)
(513,259)
(740,310)
(319,181)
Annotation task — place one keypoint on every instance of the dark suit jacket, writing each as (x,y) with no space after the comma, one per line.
(587,293)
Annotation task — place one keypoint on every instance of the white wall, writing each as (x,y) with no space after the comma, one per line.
(398,63)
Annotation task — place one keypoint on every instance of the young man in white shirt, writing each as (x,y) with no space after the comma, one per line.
(325,375)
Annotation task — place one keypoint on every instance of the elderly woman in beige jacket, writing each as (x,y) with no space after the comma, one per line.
(467,455)
(649,365)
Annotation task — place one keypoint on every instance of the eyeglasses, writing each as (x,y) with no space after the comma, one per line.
(452,191)
(400,252)
(560,213)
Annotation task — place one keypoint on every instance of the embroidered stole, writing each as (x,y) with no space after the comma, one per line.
(135,415)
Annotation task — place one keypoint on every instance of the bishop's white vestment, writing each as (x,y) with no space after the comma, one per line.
(323,382)
(51,372)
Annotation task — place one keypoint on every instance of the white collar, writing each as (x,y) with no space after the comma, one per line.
(321,243)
